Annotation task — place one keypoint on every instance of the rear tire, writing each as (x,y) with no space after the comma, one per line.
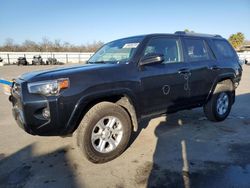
(219,105)
(104,132)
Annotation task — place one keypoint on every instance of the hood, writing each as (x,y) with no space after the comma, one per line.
(62,72)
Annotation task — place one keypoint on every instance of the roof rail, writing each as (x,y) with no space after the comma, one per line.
(195,34)
(218,36)
(180,32)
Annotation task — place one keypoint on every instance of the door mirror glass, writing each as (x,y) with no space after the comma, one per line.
(152,59)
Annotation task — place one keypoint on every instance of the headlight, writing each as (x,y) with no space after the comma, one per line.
(48,88)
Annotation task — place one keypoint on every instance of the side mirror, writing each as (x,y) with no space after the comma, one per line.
(152,59)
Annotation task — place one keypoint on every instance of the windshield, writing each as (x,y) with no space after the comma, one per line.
(117,51)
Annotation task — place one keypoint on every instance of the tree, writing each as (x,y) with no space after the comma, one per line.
(188,31)
(29,45)
(94,46)
(237,40)
(57,47)
(47,45)
(8,45)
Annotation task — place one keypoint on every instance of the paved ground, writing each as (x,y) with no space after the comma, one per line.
(216,154)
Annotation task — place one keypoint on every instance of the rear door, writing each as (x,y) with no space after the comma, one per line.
(203,68)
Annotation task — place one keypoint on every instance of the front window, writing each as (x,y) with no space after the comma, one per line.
(119,51)
(168,47)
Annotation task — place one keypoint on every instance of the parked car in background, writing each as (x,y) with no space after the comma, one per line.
(244,59)
(38,60)
(247,61)
(53,61)
(22,61)
(1,61)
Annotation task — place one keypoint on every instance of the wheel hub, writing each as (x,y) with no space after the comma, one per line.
(107,134)
(222,103)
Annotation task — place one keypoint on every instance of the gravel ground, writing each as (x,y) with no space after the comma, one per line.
(179,150)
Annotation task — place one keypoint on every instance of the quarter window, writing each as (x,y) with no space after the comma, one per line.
(224,48)
(168,47)
(196,50)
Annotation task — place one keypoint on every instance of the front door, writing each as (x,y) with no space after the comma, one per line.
(165,86)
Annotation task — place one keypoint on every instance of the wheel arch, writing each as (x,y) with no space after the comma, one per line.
(226,79)
(124,99)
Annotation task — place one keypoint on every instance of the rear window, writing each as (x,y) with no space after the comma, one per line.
(224,49)
(196,50)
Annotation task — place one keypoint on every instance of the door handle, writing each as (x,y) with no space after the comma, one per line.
(184,71)
(214,67)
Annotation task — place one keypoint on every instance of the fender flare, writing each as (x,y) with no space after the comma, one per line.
(83,105)
(220,78)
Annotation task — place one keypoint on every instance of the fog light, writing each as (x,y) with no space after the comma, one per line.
(236,84)
(46,113)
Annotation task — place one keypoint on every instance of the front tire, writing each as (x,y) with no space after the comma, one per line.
(219,105)
(104,132)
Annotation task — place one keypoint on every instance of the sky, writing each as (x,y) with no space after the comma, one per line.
(82,22)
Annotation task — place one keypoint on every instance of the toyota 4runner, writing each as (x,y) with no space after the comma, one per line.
(124,82)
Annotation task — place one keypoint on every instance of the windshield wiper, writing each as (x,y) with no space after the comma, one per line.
(96,62)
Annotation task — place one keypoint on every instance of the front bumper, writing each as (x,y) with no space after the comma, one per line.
(28,111)
(19,117)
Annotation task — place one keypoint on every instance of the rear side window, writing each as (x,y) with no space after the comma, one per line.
(196,50)
(224,49)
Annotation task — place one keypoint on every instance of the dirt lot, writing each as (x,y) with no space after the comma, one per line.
(215,154)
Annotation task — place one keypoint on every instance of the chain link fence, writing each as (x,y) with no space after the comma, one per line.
(64,57)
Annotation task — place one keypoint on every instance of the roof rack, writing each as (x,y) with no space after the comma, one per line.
(195,34)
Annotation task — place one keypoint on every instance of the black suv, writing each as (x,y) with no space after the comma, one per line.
(124,82)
